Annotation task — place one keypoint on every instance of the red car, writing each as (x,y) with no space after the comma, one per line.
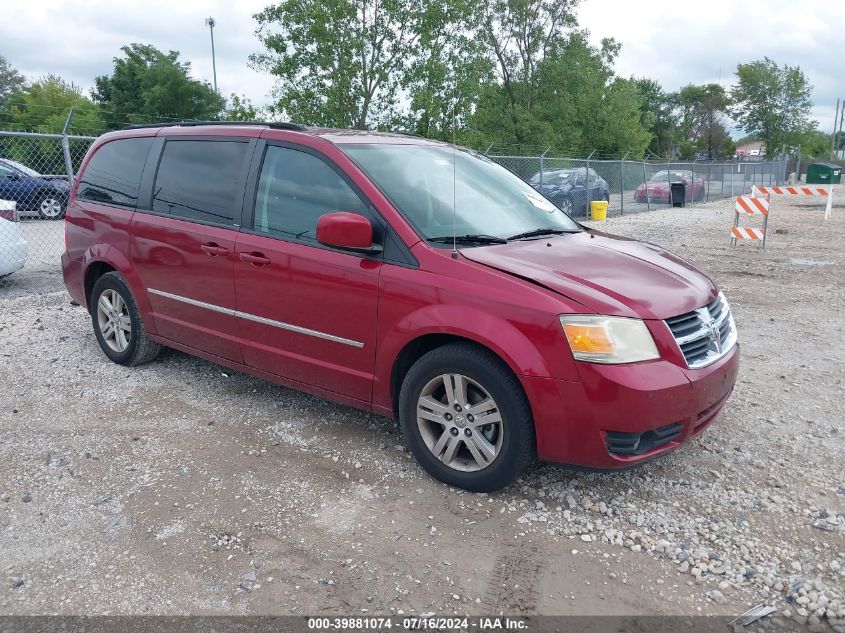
(403,276)
(656,189)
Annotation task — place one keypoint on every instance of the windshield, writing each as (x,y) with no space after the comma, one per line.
(424,180)
(662,176)
(21,168)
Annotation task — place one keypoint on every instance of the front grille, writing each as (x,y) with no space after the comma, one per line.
(706,334)
(624,443)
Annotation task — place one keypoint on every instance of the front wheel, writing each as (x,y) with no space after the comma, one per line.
(117,322)
(466,418)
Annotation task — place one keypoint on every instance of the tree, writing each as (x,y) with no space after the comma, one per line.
(342,63)
(447,76)
(657,115)
(149,85)
(44,107)
(518,35)
(772,102)
(240,108)
(815,144)
(703,117)
(11,80)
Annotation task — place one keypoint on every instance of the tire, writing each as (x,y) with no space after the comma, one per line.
(128,344)
(506,447)
(51,206)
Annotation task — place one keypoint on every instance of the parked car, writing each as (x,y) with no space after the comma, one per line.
(403,276)
(567,188)
(36,194)
(656,189)
(13,248)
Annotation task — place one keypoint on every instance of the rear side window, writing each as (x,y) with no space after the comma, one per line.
(295,188)
(198,180)
(114,172)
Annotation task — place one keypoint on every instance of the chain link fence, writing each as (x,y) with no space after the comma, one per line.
(36,170)
(631,186)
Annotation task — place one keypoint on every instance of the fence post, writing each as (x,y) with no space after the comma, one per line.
(542,156)
(709,178)
(589,184)
(647,194)
(622,184)
(66,148)
(692,186)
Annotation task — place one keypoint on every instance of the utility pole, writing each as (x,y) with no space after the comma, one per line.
(210,22)
(833,139)
(838,136)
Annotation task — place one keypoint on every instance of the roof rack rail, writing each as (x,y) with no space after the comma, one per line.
(281,125)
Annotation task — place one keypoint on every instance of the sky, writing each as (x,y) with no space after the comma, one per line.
(675,43)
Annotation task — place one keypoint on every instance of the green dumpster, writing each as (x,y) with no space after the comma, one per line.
(824,174)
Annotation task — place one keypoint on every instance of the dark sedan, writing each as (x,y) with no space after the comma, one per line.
(568,189)
(35,194)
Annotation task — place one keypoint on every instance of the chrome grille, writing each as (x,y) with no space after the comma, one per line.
(706,334)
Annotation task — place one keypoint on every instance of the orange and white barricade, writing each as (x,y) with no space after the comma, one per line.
(803,190)
(747,205)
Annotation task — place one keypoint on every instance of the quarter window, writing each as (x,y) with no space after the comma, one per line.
(198,180)
(295,188)
(114,172)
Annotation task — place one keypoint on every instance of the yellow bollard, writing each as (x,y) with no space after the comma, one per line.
(598,209)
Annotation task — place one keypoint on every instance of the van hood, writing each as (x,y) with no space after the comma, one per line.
(608,274)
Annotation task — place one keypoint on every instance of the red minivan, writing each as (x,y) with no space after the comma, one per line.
(403,276)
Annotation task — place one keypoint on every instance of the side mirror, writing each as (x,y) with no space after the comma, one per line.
(346,230)
(13,176)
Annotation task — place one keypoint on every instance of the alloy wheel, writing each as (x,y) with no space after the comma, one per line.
(460,422)
(114,320)
(50,208)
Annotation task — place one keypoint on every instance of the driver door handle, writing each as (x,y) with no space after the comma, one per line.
(256,259)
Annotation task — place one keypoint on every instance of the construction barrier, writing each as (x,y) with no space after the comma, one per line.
(747,205)
(798,191)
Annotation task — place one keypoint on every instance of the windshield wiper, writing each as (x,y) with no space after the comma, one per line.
(471,239)
(539,232)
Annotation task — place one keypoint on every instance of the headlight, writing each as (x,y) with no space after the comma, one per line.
(607,339)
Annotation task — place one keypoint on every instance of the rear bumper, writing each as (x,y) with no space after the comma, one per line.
(573,419)
(74,277)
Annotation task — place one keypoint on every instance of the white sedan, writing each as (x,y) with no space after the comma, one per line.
(13,245)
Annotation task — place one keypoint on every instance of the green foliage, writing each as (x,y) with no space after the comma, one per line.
(657,115)
(815,144)
(773,103)
(574,102)
(44,107)
(11,80)
(342,62)
(149,85)
(239,108)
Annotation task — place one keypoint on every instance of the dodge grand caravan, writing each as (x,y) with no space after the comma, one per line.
(404,276)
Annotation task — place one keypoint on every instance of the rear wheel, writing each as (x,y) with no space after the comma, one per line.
(51,207)
(466,418)
(117,322)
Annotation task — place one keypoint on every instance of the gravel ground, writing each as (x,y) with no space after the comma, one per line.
(179,487)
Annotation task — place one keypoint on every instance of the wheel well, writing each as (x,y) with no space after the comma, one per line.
(92,274)
(413,351)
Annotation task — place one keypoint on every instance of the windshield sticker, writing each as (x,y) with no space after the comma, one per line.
(540,202)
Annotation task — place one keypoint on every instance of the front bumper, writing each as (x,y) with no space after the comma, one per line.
(573,419)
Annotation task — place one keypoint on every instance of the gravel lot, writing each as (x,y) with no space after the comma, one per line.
(179,487)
